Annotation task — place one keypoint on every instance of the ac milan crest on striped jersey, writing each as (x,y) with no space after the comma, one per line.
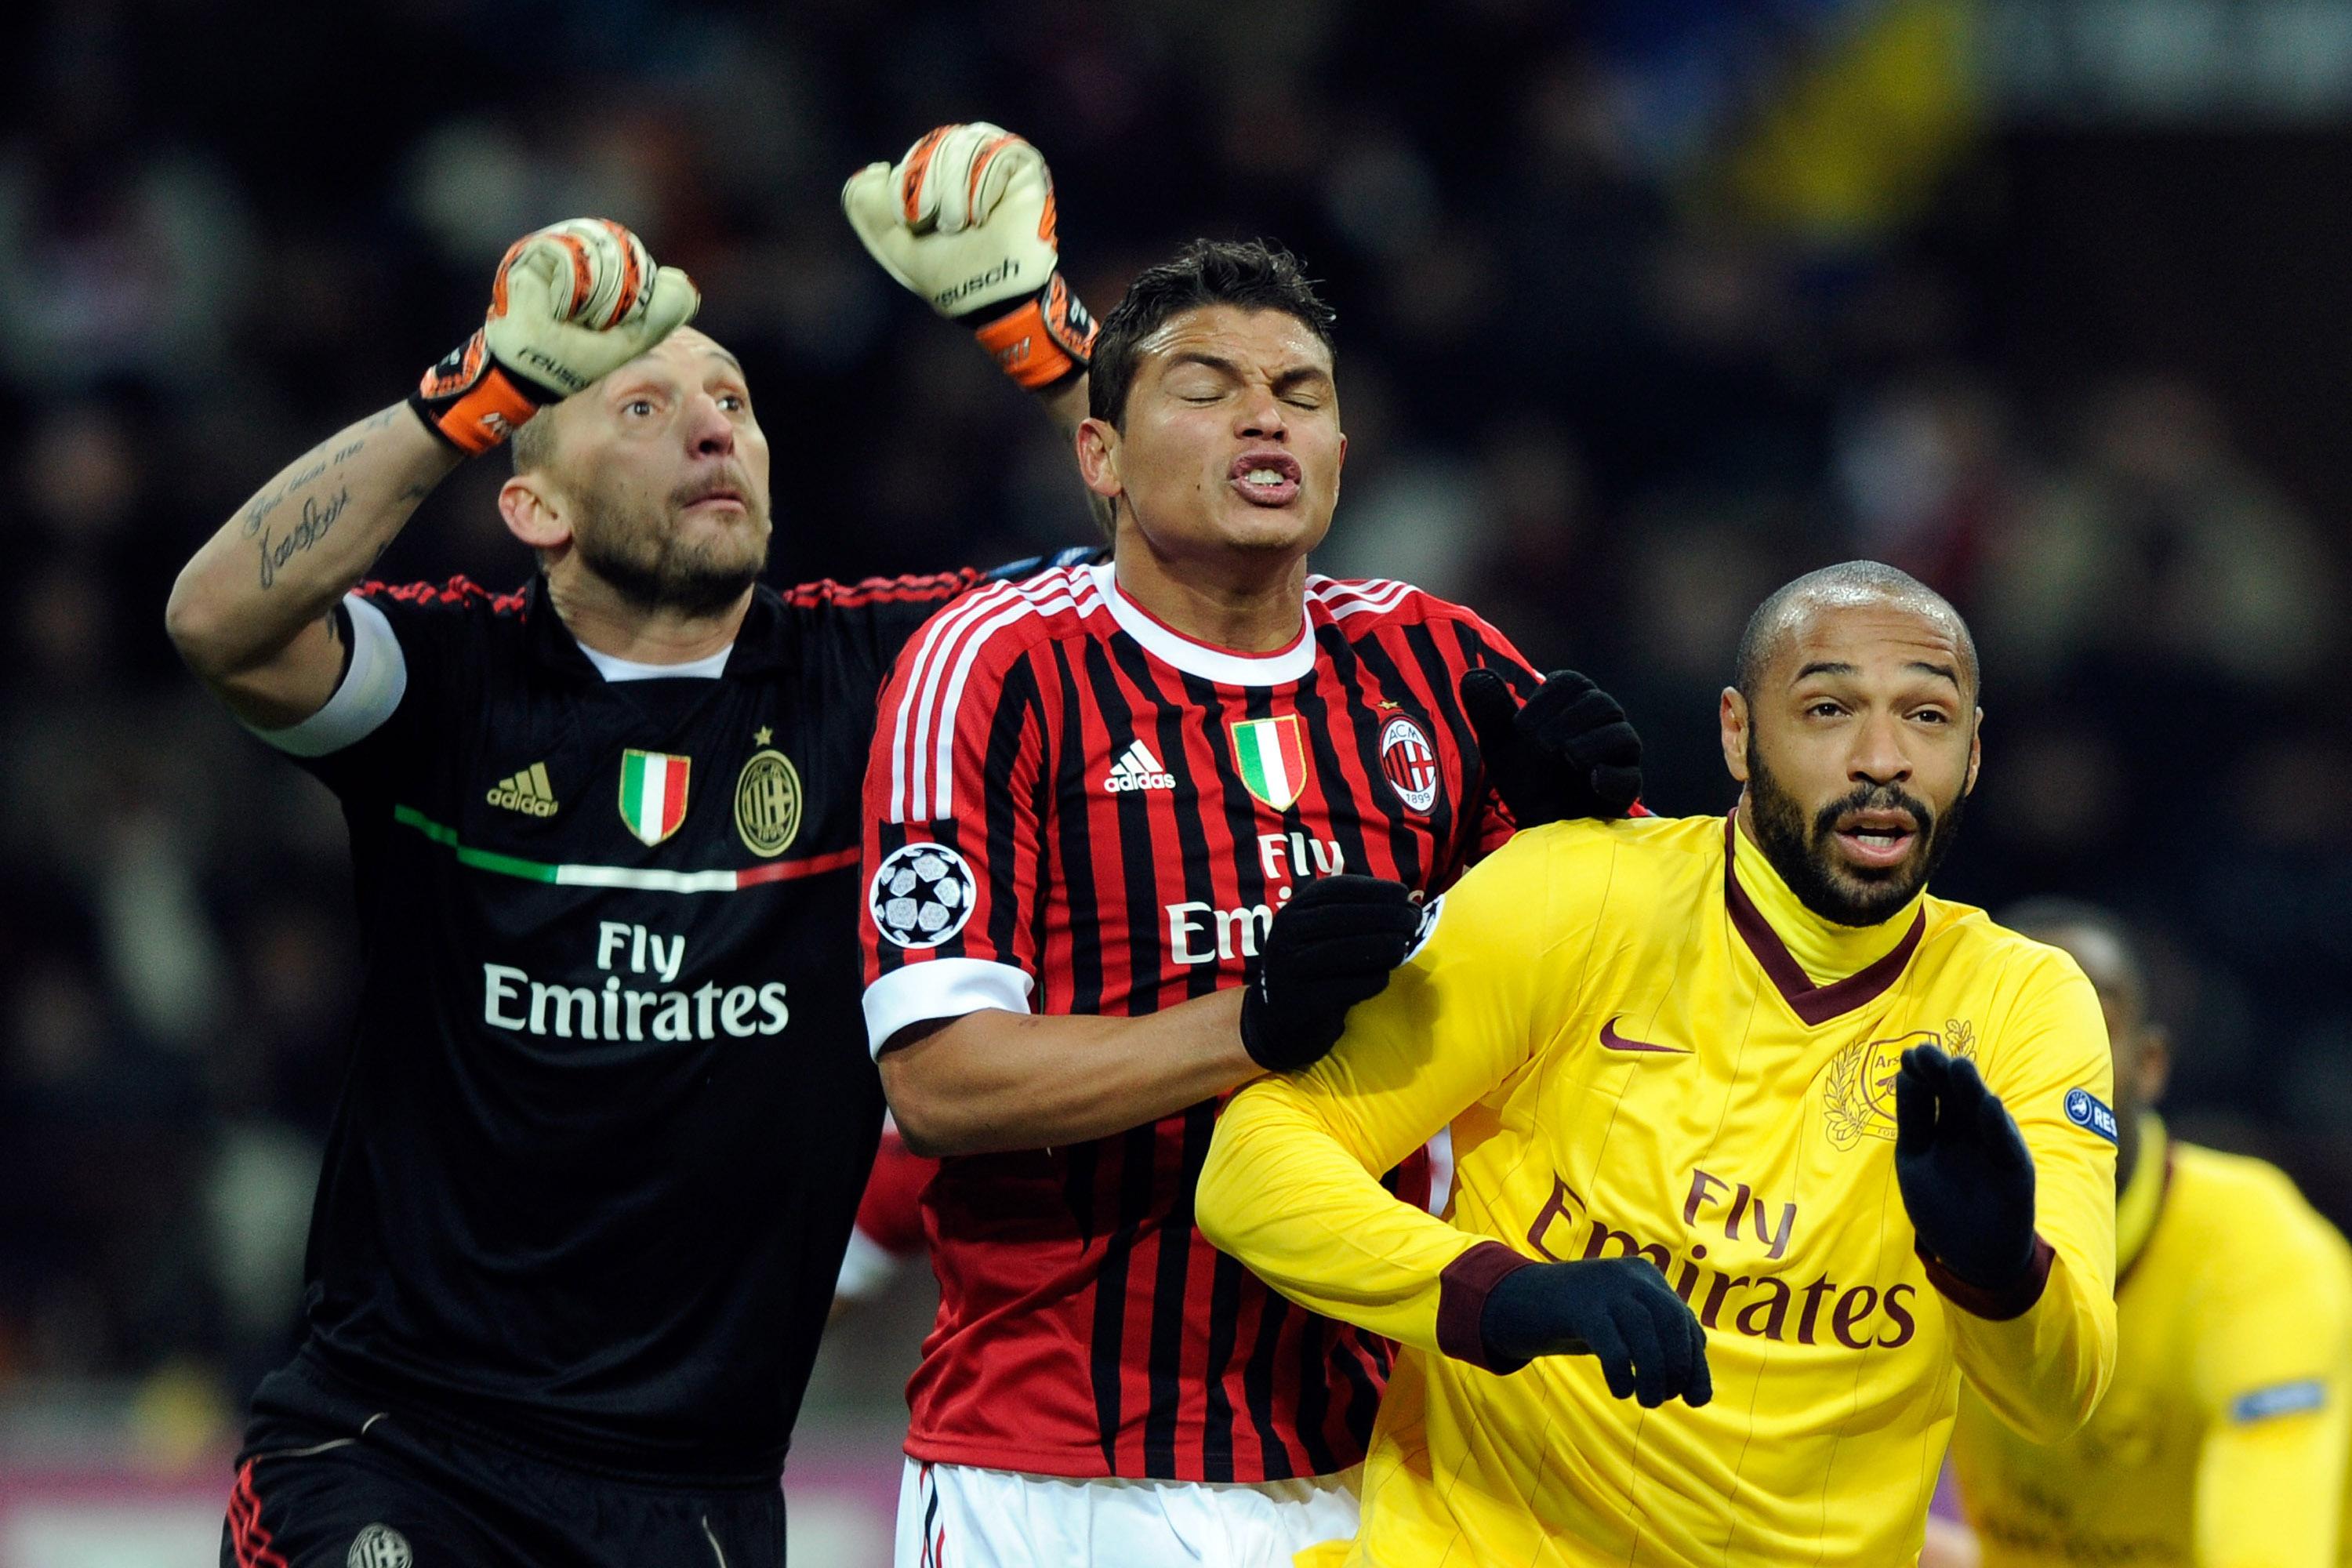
(1411,764)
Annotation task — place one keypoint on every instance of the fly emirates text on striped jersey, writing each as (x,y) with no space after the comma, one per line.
(1200,932)
(512,1000)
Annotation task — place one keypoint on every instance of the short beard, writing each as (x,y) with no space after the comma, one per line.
(1805,855)
(644,560)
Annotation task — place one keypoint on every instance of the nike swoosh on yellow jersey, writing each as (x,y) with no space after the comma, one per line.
(1613,1041)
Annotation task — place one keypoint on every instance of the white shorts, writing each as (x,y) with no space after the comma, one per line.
(954,1516)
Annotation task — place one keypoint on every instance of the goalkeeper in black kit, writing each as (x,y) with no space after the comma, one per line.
(609,1107)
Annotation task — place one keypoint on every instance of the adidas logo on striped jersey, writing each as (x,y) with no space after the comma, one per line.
(1139,769)
(528,792)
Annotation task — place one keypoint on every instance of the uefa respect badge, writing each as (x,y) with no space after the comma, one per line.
(2087,1112)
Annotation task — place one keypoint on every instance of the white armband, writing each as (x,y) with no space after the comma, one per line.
(372,685)
(942,988)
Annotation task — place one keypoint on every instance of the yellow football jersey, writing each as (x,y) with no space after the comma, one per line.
(1639,1051)
(2222,1440)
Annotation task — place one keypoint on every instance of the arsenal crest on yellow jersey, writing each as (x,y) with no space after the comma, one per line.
(1858,1093)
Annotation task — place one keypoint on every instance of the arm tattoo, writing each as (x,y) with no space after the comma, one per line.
(314,467)
(259,512)
(315,521)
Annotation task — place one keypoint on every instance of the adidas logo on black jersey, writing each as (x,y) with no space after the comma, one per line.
(528,792)
(1138,770)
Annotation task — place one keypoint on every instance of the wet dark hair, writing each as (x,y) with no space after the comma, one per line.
(1251,274)
(1777,615)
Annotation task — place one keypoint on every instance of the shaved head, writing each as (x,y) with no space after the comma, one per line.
(1854,725)
(532,446)
(1853,584)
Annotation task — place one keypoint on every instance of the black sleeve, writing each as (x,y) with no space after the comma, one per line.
(435,626)
(864,625)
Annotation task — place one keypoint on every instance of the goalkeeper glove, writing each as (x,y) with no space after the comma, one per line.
(1329,948)
(571,303)
(1618,1308)
(1966,1175)
(966,220)
(1569,752)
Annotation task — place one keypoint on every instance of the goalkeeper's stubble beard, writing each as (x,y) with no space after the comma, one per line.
(641,548)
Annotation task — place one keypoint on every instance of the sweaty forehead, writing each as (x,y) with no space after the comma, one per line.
(1273,340)
(1874,631)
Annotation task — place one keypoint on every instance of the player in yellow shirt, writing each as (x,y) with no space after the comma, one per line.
(1754,1054)
(2223,1441)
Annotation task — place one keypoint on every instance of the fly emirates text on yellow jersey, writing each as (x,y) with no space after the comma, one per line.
(1641,1050)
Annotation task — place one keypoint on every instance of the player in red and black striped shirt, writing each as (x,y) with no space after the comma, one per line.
(1101,801)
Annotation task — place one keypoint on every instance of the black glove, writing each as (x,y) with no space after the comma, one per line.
(1619,1309)
(1569,753)
(1329,948)
(1965,1174)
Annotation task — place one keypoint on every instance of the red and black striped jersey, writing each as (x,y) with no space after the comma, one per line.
(1073,808)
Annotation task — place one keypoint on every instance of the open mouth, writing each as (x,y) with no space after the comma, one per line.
(1877,837)
(1268,477)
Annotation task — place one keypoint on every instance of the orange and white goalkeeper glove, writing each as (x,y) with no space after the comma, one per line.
(573,303)
(966,220)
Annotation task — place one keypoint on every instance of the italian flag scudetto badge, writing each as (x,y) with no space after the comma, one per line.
(653,793)
(1272,756)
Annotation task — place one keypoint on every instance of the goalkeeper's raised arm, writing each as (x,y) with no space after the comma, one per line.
(255,612)
(967,220)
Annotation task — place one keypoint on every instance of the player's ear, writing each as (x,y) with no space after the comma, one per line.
(1099,457)
(533,513)
(1976,752)
(1732,717)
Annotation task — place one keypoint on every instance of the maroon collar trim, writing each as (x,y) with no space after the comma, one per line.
(1816,1004)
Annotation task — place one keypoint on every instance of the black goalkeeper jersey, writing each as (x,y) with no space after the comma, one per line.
(610,1107)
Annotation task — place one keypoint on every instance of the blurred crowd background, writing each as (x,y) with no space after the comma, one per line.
(1644,306)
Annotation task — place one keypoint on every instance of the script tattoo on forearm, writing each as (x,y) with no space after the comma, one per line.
(315,465)
(259,512)
(312,527)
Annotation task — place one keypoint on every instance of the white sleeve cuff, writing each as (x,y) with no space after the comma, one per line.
(372,686)
(942,988)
